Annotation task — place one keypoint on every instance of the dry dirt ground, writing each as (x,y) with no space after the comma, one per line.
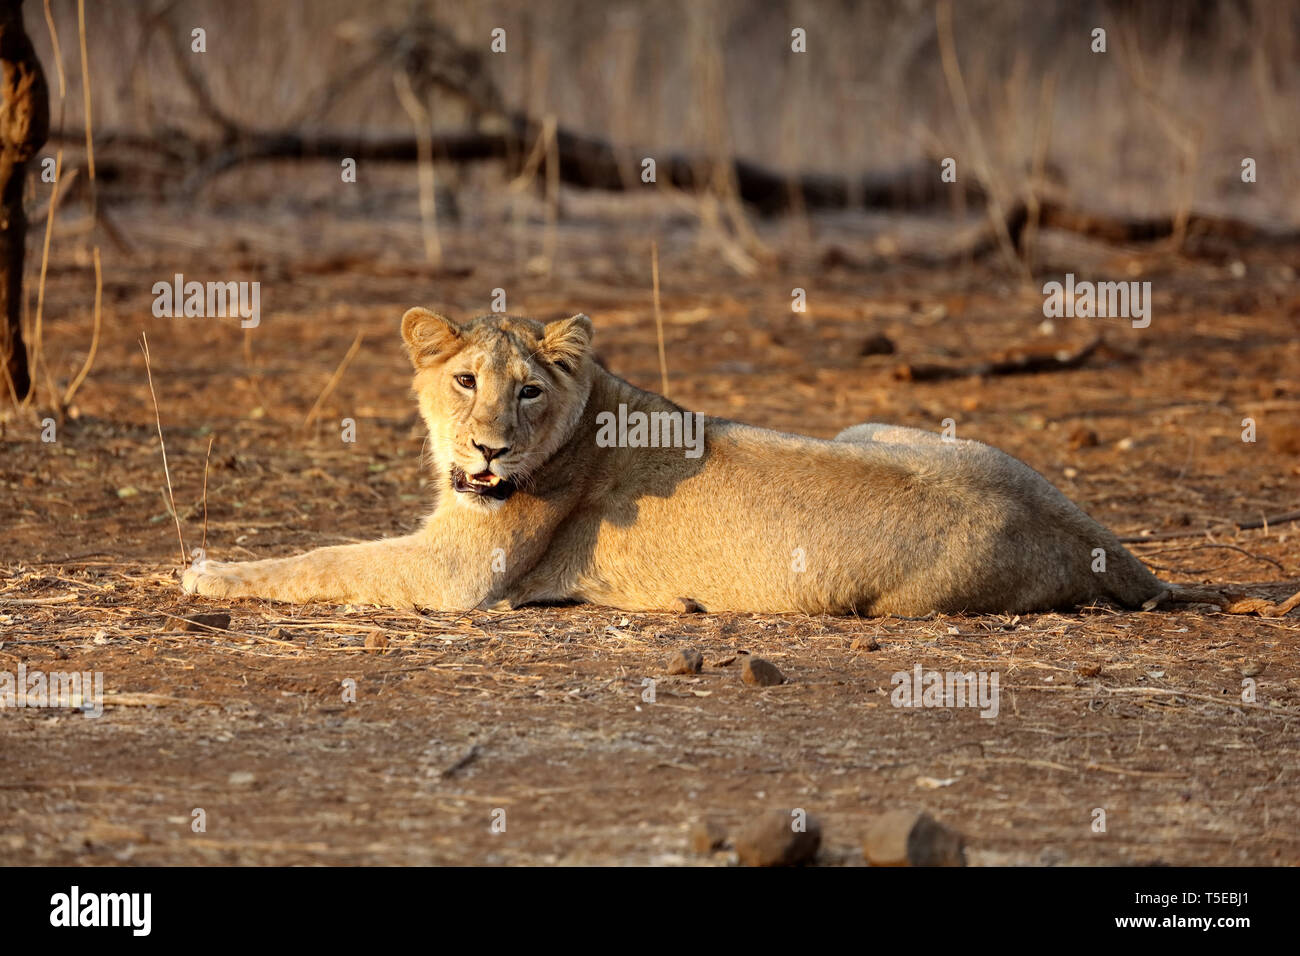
(540,712)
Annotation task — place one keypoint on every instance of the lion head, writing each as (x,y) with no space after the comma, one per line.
(500,395)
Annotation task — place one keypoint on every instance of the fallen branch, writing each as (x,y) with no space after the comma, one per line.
(1265,523)
(1012,362)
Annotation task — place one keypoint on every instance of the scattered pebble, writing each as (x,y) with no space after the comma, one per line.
(1083,437)
(912,838)
(755,670)
(241,778)
(772,840)
(878,344)
(1051,856)
(707,836)
(202,622)
(935,783)
(685,660)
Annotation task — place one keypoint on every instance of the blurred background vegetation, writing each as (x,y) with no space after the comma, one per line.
(1162,119)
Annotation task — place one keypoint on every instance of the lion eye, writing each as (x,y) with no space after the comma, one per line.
(465,381)
(529,391)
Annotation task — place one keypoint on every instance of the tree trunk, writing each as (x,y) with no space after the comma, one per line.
(24,125)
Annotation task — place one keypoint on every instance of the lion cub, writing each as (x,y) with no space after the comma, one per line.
(560,481)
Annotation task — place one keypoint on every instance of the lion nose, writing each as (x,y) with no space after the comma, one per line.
(490,453)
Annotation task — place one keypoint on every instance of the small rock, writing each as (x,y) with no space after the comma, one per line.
(685,660)
(685,605)
(1083,437)
(912,838)
(202,622)
(1051,856)
(755,670)
(864,644)
(707,836)
(241,778)
(376,641)
(1252,668)
(773,840)
(878,344)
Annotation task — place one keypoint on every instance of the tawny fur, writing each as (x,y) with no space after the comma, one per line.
(882,520)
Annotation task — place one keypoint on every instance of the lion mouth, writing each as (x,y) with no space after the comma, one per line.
(485,484)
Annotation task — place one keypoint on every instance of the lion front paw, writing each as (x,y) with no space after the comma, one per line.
(215,579)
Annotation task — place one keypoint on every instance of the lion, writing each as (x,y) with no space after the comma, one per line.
(560,482)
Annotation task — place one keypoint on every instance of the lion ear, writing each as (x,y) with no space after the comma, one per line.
(428,335)
(567,341)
